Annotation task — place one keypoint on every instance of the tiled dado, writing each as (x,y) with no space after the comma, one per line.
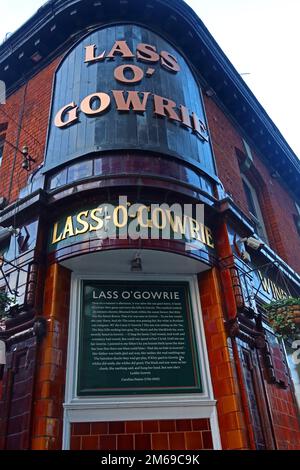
(184,434)
(230,413)
(50,378)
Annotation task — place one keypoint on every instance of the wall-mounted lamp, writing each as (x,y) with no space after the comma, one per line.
(27,159)
(253,243)
(136,264)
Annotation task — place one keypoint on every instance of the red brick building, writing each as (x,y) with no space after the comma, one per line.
(121,342)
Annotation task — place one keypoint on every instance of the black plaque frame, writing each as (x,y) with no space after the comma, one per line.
(194,385)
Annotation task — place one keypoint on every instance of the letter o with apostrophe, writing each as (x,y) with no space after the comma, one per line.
(119,73)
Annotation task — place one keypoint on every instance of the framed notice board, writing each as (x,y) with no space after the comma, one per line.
(136,337)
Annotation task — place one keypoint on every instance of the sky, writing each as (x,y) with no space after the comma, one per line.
(261,38)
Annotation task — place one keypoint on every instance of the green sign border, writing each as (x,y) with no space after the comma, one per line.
(197,388)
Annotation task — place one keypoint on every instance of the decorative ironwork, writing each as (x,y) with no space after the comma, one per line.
(17,268)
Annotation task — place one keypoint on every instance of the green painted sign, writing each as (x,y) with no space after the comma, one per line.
(136,338)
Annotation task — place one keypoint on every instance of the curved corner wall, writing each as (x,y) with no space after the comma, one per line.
(123,87)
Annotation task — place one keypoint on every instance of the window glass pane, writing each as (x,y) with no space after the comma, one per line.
(250,201)
(260,230)
(248,149)
(37,183)
(255,210)
(294,363)
(58,180)
(24,192)
(80,170)
(98,164)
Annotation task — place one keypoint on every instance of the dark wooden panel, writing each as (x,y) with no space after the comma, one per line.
(115,130)
(17,396)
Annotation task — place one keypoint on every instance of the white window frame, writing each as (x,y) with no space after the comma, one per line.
(138,407)
(248,150)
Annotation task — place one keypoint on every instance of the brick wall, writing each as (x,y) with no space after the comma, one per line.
(284,412)
(284,417)
(277,205)
(28,107)
(16,397)
(184,434)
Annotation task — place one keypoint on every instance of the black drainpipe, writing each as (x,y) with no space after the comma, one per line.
(21,114)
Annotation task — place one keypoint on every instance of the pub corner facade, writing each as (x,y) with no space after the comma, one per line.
(149,212)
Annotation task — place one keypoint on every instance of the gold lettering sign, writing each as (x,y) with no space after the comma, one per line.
(92,220)
(268,286)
